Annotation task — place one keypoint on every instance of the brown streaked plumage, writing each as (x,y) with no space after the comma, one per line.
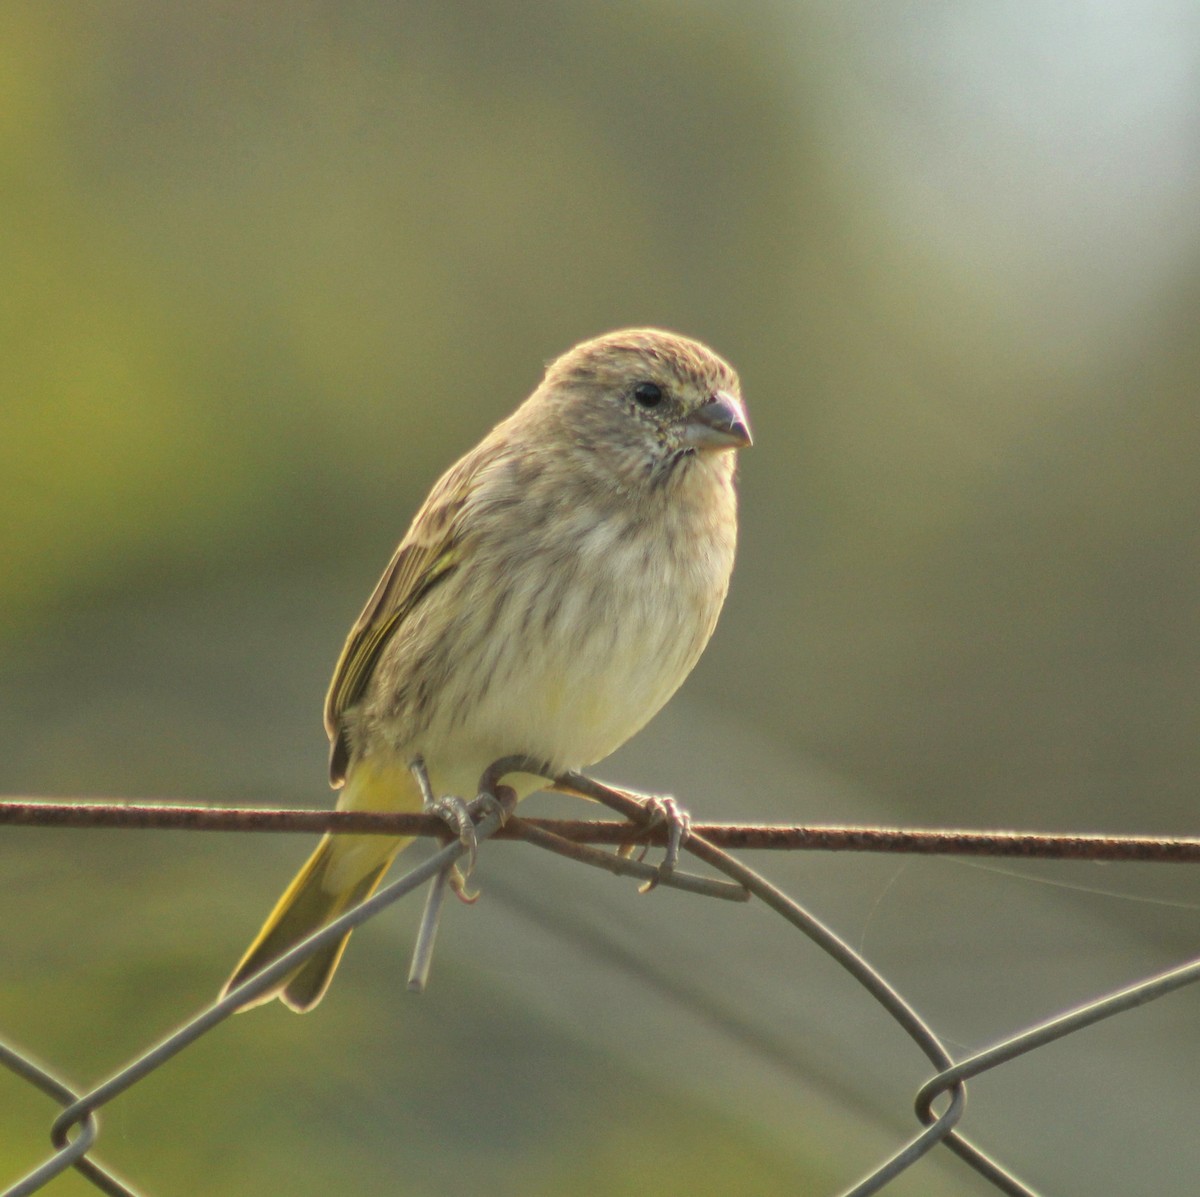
(553,591)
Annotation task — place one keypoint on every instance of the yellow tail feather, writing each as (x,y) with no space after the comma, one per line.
(316,896)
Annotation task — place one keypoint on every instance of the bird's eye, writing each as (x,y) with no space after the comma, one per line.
(647,394)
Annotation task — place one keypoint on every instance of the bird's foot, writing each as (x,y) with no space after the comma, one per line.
(666,810)
(501,805)
(452,811)
(456,814)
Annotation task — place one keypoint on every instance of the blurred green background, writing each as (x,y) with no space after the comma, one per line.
(267,269)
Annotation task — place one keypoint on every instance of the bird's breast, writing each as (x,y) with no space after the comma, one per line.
(593,628)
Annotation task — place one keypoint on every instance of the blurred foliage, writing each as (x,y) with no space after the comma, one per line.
(254,255)
(269,268)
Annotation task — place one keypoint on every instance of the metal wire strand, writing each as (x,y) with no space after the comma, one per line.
(1029,845)
(1056,1028)
(75,1152)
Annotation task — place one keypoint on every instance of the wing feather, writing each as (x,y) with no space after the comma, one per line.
(427,555)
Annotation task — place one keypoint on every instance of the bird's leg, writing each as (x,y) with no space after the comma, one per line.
(664,809)
(485,803)
(452,811)
(455,813)
(492,798)
(648,809)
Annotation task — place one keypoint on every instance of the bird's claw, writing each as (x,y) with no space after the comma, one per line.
(679,825)
(457,881)
(456,814)
(487,803)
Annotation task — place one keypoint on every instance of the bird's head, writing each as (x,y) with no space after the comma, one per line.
(643,403)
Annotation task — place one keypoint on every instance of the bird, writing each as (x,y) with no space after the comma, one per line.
(553,591)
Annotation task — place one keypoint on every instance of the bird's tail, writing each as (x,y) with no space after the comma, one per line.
(343,871)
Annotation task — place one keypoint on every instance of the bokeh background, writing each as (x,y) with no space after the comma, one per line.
(268,268)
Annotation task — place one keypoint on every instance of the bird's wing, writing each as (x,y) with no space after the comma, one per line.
(427,555)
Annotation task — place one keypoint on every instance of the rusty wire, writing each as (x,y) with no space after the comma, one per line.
(75,1130)
(1031,845)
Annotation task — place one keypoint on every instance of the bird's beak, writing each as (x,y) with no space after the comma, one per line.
(720,424)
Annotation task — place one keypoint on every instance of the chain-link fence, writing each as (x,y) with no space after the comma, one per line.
(940,1103)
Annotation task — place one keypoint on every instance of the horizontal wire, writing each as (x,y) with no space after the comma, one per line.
(130,816)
